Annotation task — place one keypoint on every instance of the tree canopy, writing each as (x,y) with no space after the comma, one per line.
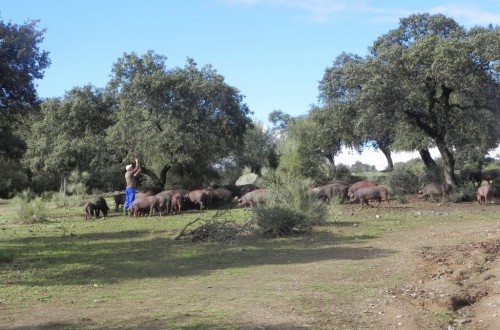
(69,133)
(21,62)
(183,118)
(427,83)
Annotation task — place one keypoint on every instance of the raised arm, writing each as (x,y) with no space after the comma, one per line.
(137,170)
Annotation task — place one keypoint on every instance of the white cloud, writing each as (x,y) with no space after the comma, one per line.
(323,10)
(467,15)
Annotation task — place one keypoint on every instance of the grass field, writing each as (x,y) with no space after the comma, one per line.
(130,273)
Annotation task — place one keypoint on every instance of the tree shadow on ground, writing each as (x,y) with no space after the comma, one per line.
(158,323)
(125,255)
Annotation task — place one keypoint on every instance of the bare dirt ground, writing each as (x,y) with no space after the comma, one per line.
(448,278)
(452,276)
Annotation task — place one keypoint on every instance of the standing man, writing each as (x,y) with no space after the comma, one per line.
(130,179)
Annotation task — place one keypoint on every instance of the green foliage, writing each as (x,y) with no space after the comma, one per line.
(431,176)
(361,167)
(77,182)
(30,209)
(342,173)
(13,178)
(426,83)
(299,151)
(21,62)
(464,193)
(186,119)
(62,200)
(495,188)
(289,208)
(259,149)
(402,181)
(68,133)
(45,182)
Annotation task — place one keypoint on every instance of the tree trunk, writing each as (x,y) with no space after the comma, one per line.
(429,163)
(448,163)
(63,184)
(156,181)
(387,153)
(163,175)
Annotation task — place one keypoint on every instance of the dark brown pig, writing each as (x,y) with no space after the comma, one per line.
(254,197)
(222,196)
(484,194)
(376,193)
(433,189)
(100,205)
(89,210)
(357,185)
(119,200)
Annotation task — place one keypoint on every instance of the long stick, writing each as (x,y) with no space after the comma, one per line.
(184,229)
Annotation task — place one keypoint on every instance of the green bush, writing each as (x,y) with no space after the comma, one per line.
(62,200)
(495,187)
(289,208)
(13,178)
(77,182)
(45,181)
(465,193)
(30,209)
(402,181)
(341,173)
(433,176)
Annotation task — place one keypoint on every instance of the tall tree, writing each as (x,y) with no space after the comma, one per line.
(183,117)
(68,134)
(447,82)
(259,149)
(428,83)
(347,117)
(21,62)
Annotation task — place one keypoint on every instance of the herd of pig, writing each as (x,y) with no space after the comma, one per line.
(364,191)
(176,201)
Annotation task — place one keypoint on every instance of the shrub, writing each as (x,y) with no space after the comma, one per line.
(30,209)
(402,181)
(433,176)
(495,185)
(342,173)
(289,208)
(45,181)
(13,178)
(465,193)
(77,182)
(62,200)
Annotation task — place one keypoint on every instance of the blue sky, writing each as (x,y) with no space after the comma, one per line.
(273,51)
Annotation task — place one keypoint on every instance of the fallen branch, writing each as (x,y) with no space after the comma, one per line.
(184,229)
